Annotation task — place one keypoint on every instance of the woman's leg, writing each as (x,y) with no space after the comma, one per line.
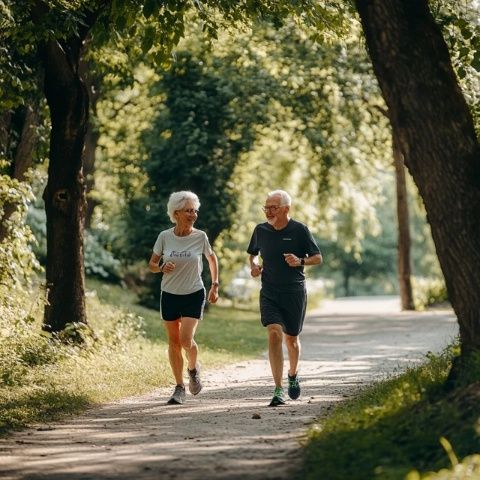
(175,349)
(187,331)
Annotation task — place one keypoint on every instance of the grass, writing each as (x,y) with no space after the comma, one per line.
(393,429)
(225,333)
(41,381)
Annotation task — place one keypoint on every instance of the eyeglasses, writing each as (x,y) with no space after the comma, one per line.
(274,208)
(188,210)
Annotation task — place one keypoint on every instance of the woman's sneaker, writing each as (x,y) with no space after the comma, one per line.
(194,383)
(178,396)
(294,387)
(278,398)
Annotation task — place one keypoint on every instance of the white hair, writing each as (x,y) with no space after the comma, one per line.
(178,200)
(285,198)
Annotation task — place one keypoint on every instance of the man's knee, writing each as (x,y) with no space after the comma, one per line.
(292,341)
(275,334)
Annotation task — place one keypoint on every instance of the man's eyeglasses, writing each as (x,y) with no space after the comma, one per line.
(273,208)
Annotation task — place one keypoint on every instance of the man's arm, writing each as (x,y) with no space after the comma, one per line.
(294,261)
(255,268)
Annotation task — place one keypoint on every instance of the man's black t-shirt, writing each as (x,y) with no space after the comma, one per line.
(271,244)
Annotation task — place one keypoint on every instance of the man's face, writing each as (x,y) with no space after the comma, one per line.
(276,214)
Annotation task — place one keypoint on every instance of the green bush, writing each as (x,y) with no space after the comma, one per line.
(17,261)
(23,344)
(428,292)
(99,262)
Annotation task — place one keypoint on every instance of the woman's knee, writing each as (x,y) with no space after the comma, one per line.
(187,342)
(174,344)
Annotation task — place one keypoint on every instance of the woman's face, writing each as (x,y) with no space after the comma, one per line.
(187,215)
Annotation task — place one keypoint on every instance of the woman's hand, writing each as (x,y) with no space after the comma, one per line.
(213,294)
(168,267)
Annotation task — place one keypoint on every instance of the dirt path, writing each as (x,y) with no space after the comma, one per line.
(215,436)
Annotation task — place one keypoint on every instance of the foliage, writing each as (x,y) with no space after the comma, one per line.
(99,262)
(22,345)
(429,291)
(461,30)
(17,261)
(42,378)
(396,425)
(208,120)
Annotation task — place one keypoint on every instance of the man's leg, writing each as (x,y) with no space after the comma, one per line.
(294,350)
(275,352)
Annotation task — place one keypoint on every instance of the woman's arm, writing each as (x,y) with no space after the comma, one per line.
(153,264)
(213,265)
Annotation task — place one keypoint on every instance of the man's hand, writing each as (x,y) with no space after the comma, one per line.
(292,260)
(255,270)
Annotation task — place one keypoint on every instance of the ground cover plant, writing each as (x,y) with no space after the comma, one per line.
(404,427)
(123,352)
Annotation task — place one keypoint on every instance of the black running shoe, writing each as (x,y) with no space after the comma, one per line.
(278,398)
(178,396)
(294,387)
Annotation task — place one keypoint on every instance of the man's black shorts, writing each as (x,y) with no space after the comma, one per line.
(284,308)
(174,306)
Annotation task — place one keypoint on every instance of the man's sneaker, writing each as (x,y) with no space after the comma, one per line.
(294,387)
(194,383)
(278,397)
(178,396)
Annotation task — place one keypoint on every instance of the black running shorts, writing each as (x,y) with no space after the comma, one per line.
(174,306)
(284,308)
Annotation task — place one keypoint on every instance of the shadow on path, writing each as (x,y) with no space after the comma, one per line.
(215,435)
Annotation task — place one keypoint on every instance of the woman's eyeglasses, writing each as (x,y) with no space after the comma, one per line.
(190,210)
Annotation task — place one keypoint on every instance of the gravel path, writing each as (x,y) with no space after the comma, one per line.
(228,432)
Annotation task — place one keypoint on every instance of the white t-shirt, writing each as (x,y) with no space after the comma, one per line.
(186,254)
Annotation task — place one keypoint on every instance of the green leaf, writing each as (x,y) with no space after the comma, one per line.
(475,63)
(148,39)
(150,8)
(120,22)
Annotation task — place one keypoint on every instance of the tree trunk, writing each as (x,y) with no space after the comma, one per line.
(436,137)
(27,117)
(5,120)
(91,139)
(403,258)
(64,194)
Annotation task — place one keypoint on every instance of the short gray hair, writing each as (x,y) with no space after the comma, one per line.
(285,198)
(178,200)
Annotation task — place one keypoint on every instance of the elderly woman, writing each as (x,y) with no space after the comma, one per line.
(177,254)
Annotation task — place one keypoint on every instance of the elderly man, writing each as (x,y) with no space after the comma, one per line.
(285,247)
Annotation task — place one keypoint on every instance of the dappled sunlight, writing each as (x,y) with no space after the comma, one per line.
(228,431)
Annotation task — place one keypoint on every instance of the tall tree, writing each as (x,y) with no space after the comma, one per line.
(59,29)
(404,244)
(436,135)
